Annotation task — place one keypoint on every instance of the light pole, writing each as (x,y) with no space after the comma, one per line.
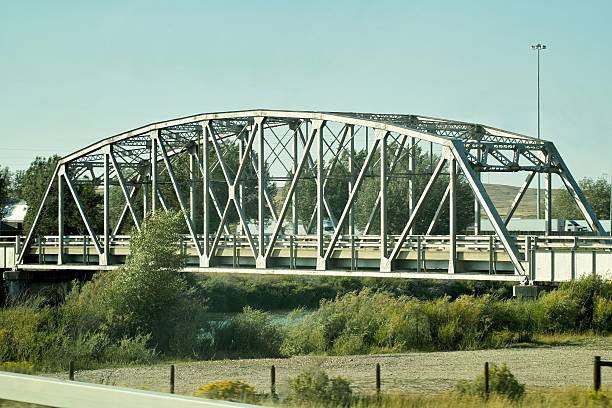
(538,47)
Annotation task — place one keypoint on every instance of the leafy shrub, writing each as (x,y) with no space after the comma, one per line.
(251,333)
(368,322)
(133,350)
(314,387)
(17,367)
(501,382)
(228,390)
(28,332)
(602,315)
(556,312)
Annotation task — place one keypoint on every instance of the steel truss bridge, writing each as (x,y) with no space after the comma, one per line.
(187,164)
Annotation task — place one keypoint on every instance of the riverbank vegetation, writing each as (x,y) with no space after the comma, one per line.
(147,311)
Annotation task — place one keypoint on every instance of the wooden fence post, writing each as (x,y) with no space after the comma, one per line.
(597,373)
(71,370)
(486,379)
(172,379)
(273,382)
(377,379)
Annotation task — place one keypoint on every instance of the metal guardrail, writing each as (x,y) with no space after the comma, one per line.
(57,393)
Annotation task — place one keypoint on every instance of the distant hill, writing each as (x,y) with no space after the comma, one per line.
(503,195)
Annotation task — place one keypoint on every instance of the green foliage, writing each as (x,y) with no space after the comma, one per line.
(16,367)
(4,186)
(38,335)
(597,192)
(501,382)
(148,294)
(315,387)
(573,306)
(366,322)
(28,331)
(251,333)
(602,315)
(117,317)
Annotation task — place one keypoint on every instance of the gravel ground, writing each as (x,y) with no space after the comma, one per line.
(550,366)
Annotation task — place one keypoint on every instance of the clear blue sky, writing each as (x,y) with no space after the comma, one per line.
(73,72)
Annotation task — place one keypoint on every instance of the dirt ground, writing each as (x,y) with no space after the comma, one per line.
(541,366)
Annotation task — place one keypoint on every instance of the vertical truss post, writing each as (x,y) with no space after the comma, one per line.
(193,178)
(60,218)
(321,263)
(412,157)
(477,211)
(452,214)
(154,174)
(548,201)
(351,169)
(205,258)
(384,260)
(145,195)
(240,182)
(294,153)
(105,258)
(261,185)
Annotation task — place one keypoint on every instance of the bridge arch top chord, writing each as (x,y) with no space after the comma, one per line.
(207,161)
(421,127)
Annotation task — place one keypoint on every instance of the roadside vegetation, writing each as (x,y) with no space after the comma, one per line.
(314,388)
(146,311)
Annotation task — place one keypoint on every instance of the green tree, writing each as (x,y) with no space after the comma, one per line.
(4,185)
(35,182)
(33,185)
(148,294)
(597,192)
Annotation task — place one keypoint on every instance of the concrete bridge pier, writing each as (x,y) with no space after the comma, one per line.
(25,283)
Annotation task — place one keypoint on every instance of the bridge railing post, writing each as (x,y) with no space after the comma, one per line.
(234,249)
(353,254)
(291,252)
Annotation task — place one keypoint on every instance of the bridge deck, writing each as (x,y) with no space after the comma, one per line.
(548,259)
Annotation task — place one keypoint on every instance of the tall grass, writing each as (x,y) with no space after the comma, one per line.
(370,322)
(550,398)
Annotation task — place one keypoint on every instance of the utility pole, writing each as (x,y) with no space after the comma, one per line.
(538,47)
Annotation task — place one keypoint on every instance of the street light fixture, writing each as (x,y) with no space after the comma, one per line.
(538,47)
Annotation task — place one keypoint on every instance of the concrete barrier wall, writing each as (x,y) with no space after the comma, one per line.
(564,265)
(7,256)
